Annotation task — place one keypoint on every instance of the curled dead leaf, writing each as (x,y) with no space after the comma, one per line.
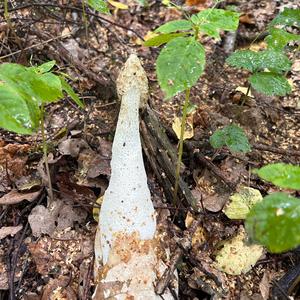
(14,197)
(9,230)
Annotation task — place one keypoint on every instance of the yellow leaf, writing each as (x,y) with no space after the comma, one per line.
(117,4)
(259,46)
(243,90)
(189,130)
(291,82)
(96,209)
(237,256)
(166,2)
(241,203)
(149,35)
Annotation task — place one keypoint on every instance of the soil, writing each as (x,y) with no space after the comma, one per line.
(48,253)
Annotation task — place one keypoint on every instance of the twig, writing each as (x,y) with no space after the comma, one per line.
(286,152)
(77,9)
(184,245)
(209,165)
(12,262)
(36,45)
(86,287)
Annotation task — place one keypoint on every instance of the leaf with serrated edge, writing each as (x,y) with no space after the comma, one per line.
(275,222)
(255,61)
(280,174)
(270,84)
(279,38)
(233,137)
(289,17)
(174,26)
(245,59)
(99,5)
(179,65)
(212,21)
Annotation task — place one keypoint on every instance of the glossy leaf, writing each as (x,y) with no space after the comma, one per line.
(231,136)
(22,91)
(289,17)
(99,5)
(174,26)
(255,61)
(179,65)
(15,113)
(212,21)
(279,38)
(275,222)
(270,84)
(46,87)
(280,174)
(162,39)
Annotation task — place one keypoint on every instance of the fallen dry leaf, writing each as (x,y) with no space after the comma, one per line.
(13,158)
(59,216)
(14,197)
(59,289)
(241,203)
(9,230)
(188,131)
(265,285)
(236,256)
(72,147)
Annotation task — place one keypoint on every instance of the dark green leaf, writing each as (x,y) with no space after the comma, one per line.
(163,39)
(275,222)
(217,140)
(233,137)
(270,84)
(289,17)
(212,21)
(68,89)
(279,38)
(174,26)
(99,5)
(282,175)
(179,65)
(273,61)
(255,61)
(245,59)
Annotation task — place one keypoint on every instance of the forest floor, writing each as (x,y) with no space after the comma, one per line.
(47,250)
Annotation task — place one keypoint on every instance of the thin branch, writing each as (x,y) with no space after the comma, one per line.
(73,8)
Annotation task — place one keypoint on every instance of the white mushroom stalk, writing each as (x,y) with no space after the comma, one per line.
(126,264)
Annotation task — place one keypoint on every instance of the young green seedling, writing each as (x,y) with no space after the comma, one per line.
(24,92)
(231,136)
(269,67)
(181,62)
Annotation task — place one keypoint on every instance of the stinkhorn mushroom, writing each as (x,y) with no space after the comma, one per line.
(127,263)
